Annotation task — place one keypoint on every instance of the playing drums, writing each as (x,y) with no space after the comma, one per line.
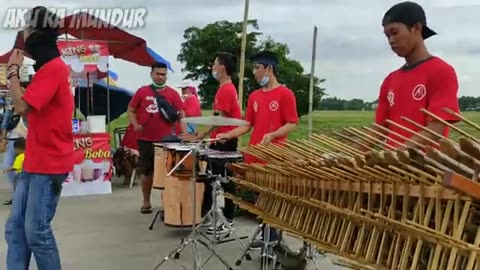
(174,164)
(173,172)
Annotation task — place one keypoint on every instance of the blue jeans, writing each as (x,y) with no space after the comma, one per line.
(28,227)
(8,162)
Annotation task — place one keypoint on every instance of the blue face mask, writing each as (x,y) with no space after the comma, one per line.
(264,81)
(215,75)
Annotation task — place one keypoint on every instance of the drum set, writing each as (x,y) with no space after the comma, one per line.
(182,169)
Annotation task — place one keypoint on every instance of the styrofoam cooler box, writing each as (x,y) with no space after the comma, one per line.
(96,123)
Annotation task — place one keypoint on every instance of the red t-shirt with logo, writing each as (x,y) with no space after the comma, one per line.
(226,100)
(144,102)
(49,143)
(431,84)
(267,111)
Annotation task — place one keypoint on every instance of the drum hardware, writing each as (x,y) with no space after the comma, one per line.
(193,236)
(216,214)
(269,258)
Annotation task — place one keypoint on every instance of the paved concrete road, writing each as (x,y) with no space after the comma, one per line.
(107,232)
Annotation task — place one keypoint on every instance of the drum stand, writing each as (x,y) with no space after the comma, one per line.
(216,213)
(312,254)
(193,236)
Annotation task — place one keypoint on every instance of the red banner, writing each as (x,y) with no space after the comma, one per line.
(92,158)
(84,55)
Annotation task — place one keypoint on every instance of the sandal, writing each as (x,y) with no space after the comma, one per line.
(146,210)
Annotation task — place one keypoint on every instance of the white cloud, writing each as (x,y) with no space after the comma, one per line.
(352,52)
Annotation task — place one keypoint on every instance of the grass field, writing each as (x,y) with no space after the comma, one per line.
(334,120)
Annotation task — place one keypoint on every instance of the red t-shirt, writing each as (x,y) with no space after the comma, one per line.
(155,127)
(192,108)
(49,146)
(267,111)
(130,138)
(431,84)
(226,100)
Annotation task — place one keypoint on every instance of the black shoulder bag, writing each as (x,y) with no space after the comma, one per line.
(165,109)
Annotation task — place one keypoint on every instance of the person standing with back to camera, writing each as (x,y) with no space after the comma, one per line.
(272,114)
(49,157)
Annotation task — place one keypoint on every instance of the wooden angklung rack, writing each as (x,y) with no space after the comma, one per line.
(388,209)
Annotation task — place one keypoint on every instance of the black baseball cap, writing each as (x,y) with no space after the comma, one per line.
(408,13)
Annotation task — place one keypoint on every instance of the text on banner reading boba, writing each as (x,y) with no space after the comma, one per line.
(87,145)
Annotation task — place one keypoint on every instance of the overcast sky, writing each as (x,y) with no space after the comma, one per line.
(352,52)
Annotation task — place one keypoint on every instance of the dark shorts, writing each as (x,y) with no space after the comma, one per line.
(147,156)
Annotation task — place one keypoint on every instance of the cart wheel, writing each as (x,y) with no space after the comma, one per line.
(176,256)
(248,257)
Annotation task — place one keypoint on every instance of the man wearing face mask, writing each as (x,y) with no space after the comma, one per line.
(271,112)
(49,156)
(151,126)
(225,104)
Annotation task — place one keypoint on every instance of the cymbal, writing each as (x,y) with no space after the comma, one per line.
(217,121)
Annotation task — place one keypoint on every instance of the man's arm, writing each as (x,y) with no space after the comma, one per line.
(179,106)
(132,110)
(249,117)
(222,106)
(16,93)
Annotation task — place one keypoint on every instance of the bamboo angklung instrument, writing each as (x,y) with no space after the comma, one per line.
(388,209)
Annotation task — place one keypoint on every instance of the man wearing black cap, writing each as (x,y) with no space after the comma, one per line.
(271,112)
(49,156)
(424,81)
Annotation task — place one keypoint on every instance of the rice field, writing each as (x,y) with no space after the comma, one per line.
(324,121)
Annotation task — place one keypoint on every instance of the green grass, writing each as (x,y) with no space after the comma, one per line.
(324,121)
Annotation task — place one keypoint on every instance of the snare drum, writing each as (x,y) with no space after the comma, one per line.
(175,153)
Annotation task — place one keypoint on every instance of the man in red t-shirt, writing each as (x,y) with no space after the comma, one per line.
(271,112)
(424,82)
(225,104)
(150,124)
(48,105)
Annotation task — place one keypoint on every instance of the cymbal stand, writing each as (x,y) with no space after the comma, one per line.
(216,212)
(312,254)
(193,236)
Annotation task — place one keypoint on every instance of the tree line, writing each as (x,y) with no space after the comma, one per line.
(467,103)
(201,45)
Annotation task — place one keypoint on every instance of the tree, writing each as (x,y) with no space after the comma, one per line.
(201,44)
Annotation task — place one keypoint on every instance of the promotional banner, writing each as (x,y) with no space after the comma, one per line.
(92,171)
(84,55)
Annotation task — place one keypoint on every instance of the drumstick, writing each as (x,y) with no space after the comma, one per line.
(468,122)
(448,124)
(412,132)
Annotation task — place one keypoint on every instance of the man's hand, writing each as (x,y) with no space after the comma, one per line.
(267,138)
(188,137)
(222,137)
(138,128)
(16,58)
